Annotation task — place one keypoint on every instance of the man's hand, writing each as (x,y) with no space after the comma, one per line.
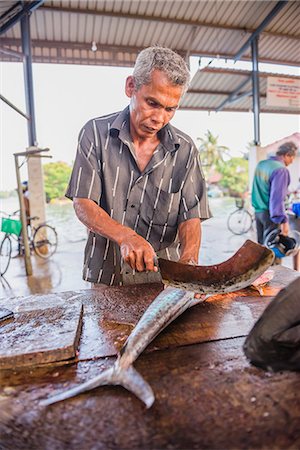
(285,228)
(135,250)
(138,253)
(188,260)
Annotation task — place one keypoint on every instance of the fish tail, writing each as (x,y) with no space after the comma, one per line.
(133,381)
(129,378)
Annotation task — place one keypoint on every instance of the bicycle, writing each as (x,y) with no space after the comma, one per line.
(42,239)
(241,220)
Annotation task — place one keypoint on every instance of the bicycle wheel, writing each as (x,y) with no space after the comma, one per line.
(239,222)
(45,241)
(5,254)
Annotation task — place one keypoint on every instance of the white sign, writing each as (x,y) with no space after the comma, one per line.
(283,92)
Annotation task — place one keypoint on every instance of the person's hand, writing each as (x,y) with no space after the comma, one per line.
(138,253)
(264,278)
(187,260)
(285,229)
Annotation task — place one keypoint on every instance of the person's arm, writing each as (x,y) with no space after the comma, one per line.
(189,233)
(135,250)
(193,209)
(279,182)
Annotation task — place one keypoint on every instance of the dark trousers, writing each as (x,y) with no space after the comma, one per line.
(264,225)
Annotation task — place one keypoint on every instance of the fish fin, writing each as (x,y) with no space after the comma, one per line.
(102,379)
(129,378)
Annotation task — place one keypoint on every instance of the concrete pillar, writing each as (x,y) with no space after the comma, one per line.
(36,188)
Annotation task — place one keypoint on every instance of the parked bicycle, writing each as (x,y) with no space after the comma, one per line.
(42,239)
(240,221)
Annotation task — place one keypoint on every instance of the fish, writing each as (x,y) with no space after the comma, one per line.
(164,309)
(161,312)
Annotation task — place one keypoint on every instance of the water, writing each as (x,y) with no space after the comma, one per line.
(218,243)
(61,215)
(70,230)
(63,271)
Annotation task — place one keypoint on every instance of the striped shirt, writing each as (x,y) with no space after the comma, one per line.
(153,203)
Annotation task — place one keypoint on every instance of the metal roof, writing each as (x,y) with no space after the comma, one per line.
(63,31)
(210,87)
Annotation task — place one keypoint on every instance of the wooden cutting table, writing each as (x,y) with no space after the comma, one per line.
(207,394)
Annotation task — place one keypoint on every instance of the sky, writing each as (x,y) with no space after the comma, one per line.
(67,96)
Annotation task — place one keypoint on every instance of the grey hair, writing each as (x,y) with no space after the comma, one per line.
(288,148)
(164,59)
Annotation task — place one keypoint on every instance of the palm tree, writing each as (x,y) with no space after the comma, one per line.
(211,152)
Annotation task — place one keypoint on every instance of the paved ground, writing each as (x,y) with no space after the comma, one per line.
(63,271)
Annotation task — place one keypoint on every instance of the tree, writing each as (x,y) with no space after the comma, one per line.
(211,153)
(56,177)
(235,175)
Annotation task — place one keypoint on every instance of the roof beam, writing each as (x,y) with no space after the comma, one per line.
(207,92)
(121,48)
(8,51)
(5,100)
(234,95)
(10,14)
(27,7)
(153,18)
(17,6)
(72,45)
(238,72)
(278,7)
(263,110)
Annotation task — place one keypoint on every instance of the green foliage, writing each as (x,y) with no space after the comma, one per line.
(211,153)
(235,175)
(215,158)
(56,178)
(8,194)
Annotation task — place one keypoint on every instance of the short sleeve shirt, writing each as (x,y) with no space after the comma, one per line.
(153,203)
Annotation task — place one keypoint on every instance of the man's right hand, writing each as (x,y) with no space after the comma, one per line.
(138,253)
(135,250)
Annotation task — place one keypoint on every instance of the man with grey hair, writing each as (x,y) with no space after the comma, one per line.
(269,190)
(137,183)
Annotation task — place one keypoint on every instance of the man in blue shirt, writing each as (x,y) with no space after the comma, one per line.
(270,187)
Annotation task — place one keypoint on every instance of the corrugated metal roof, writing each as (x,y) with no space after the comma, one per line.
(210,87)
(62,31)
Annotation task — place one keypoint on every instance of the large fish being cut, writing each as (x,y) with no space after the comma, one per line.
(248,263)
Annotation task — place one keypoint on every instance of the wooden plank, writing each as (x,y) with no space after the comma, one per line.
(40,336)
(104,335)
(112,312)
(221,317)
(207,396)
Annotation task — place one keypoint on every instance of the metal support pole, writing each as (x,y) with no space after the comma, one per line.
(28,266)
(13,107)
(255,90)
(35,170)
(27,64)
(278,7)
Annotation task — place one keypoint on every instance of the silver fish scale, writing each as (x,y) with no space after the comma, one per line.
(168,305)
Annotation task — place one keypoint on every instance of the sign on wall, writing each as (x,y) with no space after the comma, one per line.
(283,92)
